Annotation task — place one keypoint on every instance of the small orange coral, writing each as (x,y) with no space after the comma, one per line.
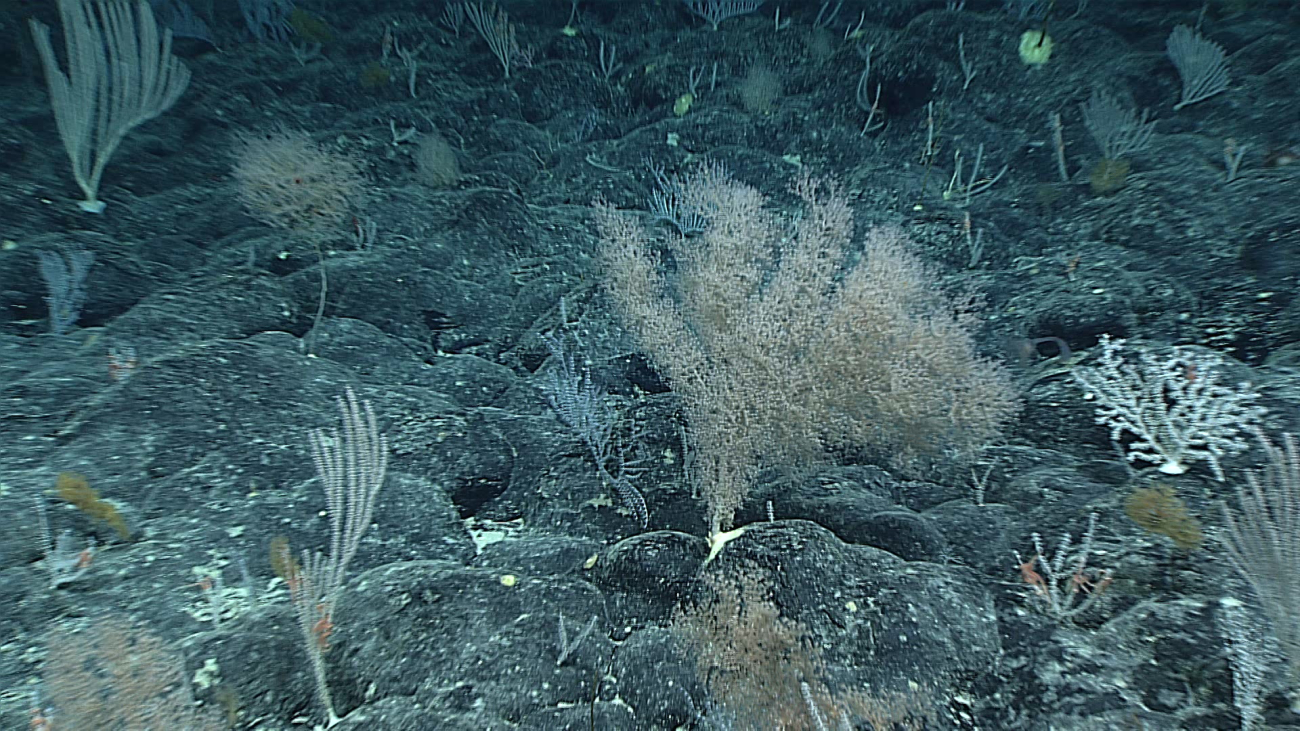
(282,561)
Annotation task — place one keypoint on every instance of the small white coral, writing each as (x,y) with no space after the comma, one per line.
(1175,406)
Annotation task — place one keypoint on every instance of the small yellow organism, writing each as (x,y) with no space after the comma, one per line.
(1035,47)
(683,104)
